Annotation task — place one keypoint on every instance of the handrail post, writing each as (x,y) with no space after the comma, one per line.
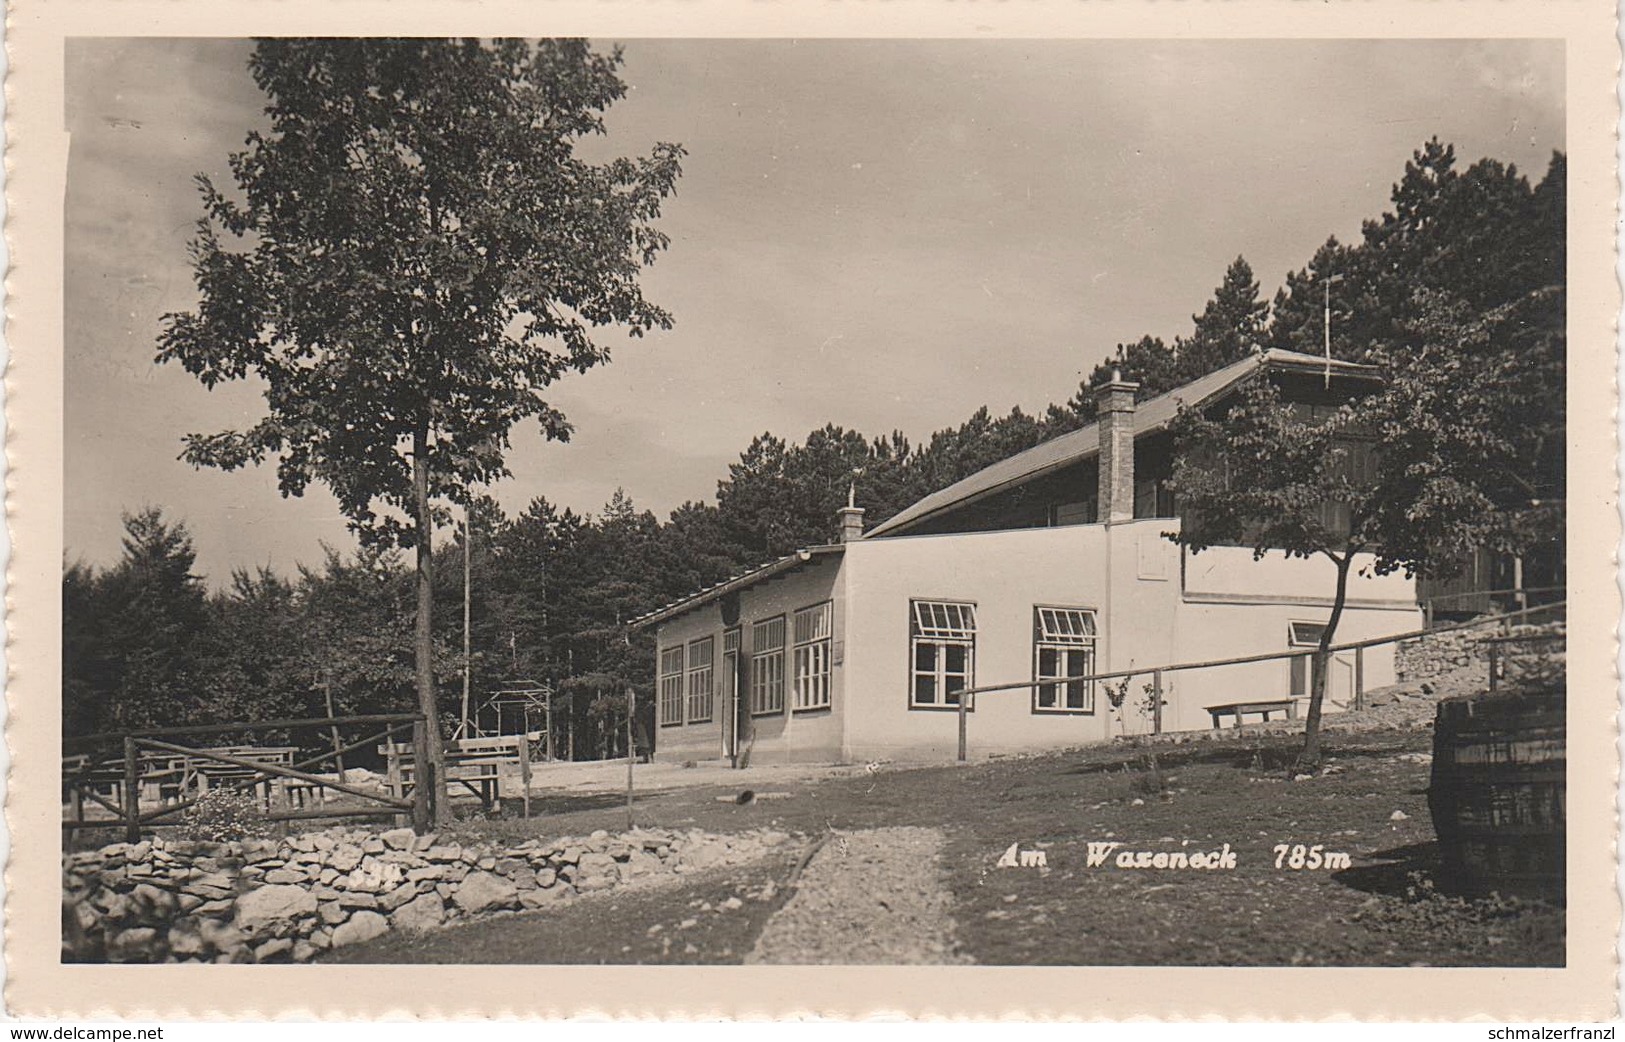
(1359,678)
(964,705)
(1156,701)
(132,793)
(1494,666)
(422,783)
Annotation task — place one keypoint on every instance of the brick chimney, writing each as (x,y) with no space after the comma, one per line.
(1116,423)
(851,517)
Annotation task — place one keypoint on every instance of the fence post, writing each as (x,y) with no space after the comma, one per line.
(964,708)
(1495,665)
(524,769)
(1156,701)
(132,793)
(1359,678)
(422,780)
(631,753)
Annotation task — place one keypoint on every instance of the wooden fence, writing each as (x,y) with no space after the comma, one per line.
(1321,658)
(175,774)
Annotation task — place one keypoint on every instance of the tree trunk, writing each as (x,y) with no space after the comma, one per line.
(1309,759)
(431,758)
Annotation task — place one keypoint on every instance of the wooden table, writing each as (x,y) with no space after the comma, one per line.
(1289,706)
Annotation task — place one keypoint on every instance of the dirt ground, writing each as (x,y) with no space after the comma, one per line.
(1381,907)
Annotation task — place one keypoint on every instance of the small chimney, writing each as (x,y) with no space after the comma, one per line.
(851,516)
(1115,400)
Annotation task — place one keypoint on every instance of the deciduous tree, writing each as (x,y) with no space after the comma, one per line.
(419,254)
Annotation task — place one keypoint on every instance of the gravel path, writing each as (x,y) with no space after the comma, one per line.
(871,896)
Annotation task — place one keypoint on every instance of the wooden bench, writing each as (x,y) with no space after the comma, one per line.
(1288,706)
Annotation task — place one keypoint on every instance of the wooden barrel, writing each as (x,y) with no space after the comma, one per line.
(1497,792)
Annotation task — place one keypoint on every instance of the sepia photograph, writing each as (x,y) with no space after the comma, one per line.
(962,502)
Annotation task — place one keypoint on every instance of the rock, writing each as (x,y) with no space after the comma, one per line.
(322,842)
(328,875)
(222,938)
(332,913)
(568,856)
(138,944)
(686,923)
(425,842)
(523,878)
(186,937)
(640,863)
(450,852)
(546,877)
(268,905)
(470,856)
(321,939)
(301,844)
(398,839)
(1398,815)
(304,951)
(272,948)
(486,864)
(372,845)
(152,903)
(424,912)
(732,904)
(358,899)
(345,857)
(187,902)
(417,875)
(392,900)
(217,907)
(140,851)
(482,891)
(445,890)
(618,851)
(278,876)
(599,834)
(363,926)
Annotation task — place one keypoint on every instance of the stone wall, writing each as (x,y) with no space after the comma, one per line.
(1463,652)
(166,900)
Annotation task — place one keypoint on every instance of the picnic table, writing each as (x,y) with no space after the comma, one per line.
(475,764)
(1287,706)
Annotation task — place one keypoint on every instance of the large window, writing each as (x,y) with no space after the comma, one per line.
(812,633)
(942,650)
(767,667)
(671,686)
(1063,647)
(699,679)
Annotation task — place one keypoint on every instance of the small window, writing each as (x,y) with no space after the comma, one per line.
(813,627)
(942,651)
(767,667)
(1303,635)
(700,654)
(671,686)
(1063,649)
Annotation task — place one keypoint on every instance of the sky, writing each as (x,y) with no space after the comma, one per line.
(881,234)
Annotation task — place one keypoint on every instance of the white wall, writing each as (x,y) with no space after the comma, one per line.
(813,735)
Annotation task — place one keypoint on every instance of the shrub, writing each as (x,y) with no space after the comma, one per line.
(221,815)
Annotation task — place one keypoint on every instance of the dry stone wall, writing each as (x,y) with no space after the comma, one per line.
(1462,652)
(167,900)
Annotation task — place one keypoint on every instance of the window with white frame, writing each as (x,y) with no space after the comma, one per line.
(767,666)
(1063,647)
(700,654)
(1303,635)
(942,652)
(671,686)
(812,640)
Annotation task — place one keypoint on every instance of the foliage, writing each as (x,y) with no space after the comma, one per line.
(223,815)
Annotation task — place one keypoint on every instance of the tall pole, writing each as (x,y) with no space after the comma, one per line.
(1326,285)
(468,658)
(631,754)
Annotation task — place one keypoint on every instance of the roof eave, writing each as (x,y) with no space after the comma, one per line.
(789,562)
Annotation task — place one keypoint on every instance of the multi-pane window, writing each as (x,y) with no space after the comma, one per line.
(699,679)
(1063,648)
(942,651)
(671,686)
(812,640)
(1304,635)
(767,666)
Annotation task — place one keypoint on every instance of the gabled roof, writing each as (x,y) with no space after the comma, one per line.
(1150,416)
(745,580)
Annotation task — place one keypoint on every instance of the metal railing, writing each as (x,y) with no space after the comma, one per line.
(149,761)
(1322,658)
